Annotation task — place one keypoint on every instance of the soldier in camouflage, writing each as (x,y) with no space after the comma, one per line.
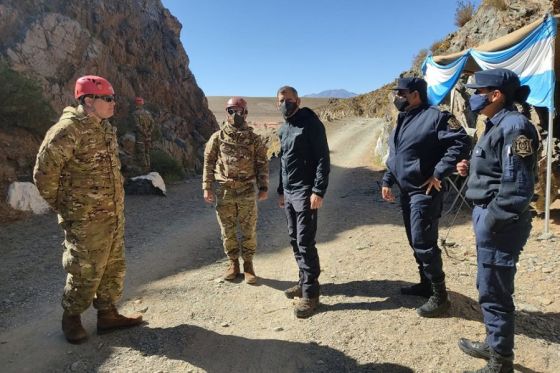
(78,173)
(144,125)
(235,157)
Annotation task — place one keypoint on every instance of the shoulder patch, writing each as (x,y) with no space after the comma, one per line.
(522,146)
(453,123)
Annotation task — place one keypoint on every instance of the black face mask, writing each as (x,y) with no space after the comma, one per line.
(287,108)
(238,120)
(400,103)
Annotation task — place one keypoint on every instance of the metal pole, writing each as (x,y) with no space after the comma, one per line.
(550,144)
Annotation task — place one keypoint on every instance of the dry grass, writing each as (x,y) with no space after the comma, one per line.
(498,4)
(464,12)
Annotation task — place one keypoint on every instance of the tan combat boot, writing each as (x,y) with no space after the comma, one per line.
(73,329)
(110,319)
(233,270)
(249,272)
(305,307)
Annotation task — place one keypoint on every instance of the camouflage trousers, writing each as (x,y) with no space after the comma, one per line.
(94,259)
(237,209)
(142,150)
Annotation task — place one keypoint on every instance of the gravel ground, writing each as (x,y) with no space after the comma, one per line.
(196,322)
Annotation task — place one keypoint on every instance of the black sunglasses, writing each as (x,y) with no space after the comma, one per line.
(231,111)
(106,98)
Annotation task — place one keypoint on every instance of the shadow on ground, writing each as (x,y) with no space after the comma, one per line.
(536,325)
(216,352)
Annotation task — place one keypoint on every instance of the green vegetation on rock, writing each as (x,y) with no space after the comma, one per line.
(23,104)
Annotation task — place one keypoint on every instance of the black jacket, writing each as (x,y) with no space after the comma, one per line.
(424,143)
(304,154)
(502,170)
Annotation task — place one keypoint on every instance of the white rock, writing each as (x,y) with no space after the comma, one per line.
(155,178)
(25,196)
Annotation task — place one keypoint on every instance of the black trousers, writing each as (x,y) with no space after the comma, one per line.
(421,215)
(302,227)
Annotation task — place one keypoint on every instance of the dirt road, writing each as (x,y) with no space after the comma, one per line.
(198,323)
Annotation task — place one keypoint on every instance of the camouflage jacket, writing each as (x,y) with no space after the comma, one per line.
(78,168)
(235,158)
(144,123)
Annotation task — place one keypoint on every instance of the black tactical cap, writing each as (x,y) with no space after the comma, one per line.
(412,84)
(503,79)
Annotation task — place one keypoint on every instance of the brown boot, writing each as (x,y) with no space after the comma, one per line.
(73,329)
(233,270)
(110,319)
(305,307)
(294,291)
(249,272)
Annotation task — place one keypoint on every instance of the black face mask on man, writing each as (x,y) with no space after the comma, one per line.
(238,120)
(287,108)
(400,103)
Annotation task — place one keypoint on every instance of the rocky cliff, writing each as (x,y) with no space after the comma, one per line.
(133,43)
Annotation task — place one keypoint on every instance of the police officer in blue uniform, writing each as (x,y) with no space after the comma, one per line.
(501,185)
(304,177)
(424,148)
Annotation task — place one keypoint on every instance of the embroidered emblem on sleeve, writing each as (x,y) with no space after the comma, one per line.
(453,123)
(522,146)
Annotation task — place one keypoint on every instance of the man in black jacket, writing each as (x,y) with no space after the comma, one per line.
(424,148)
(304,176)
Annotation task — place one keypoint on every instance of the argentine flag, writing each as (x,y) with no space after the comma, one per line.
(532,59)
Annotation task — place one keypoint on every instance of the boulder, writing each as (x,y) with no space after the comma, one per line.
(24,196)
(151,183)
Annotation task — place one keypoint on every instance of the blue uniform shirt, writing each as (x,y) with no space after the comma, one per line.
(502,169)
(426,142)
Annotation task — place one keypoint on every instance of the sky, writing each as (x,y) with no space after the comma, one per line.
(252,47)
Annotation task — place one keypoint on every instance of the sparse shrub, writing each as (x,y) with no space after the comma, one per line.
(23,104)
(464,12)
(440,46)
(498,4)
(170,169)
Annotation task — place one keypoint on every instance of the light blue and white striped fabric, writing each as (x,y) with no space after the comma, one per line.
(532,59)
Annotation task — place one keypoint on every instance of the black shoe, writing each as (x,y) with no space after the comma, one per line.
(438,303)
(496,364)
(423,289)
(480,350)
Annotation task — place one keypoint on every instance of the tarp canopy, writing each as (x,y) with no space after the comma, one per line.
(528,51)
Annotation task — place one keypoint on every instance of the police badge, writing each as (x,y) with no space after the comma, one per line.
(453,123)
(522,146)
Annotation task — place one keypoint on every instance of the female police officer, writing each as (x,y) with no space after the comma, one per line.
(501,184)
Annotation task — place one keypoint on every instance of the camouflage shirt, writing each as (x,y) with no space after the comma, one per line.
(144,123)
(236,158)
(78,168)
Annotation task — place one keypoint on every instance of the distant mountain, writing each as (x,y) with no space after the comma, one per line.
(333,93)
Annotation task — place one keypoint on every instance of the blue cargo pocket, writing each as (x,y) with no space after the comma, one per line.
(496,257)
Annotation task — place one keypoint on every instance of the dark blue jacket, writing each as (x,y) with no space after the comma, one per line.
(502,168)
(424,143)
(304,154)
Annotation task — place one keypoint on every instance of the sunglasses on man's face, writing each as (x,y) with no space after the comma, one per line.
(232,111)
(105,98)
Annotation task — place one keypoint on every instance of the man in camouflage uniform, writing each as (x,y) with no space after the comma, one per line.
(144,125)
(78,173)
(235,157)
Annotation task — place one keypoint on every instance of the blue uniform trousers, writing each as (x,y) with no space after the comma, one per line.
(421,215)
(497,255)
(302,226)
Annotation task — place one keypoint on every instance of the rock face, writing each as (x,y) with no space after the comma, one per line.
(133,43)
